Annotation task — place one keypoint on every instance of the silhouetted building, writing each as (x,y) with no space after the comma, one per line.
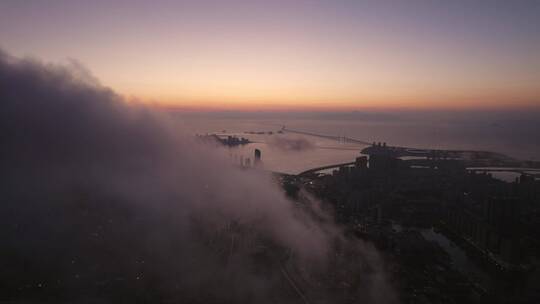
(502,212)
(361,162)
(257,159)
(383,162)
(494,227)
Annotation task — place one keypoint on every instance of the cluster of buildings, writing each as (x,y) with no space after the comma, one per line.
(496,223)
(229,140)
(245,162)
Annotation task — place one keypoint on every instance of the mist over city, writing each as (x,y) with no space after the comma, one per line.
(270,152)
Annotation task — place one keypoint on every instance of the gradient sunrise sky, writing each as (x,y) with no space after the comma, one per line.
(292,54)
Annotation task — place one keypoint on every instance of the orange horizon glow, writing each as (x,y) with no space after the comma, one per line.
(330,106)
(263,96)
(368,104)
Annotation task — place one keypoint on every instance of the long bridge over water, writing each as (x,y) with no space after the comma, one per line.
(334,137)
(479,161)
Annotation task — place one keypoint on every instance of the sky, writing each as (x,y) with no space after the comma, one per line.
(292,54)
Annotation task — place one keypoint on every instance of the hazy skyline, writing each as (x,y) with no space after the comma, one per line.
(292,54)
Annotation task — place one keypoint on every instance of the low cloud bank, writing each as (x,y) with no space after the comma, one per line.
(105,202)
(290,143)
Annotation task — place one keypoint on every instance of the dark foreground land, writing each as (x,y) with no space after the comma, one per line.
(432,231)
(450,234)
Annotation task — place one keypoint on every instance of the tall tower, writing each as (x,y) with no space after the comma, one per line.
(257,159)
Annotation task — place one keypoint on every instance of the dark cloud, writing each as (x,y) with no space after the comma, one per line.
(104,201)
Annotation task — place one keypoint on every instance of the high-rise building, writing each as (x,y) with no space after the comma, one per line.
(257,159)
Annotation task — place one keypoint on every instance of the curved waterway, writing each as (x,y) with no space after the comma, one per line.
(459,257)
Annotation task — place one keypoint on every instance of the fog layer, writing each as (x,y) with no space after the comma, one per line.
(104,202)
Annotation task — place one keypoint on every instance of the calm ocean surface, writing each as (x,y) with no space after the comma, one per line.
(293,153)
